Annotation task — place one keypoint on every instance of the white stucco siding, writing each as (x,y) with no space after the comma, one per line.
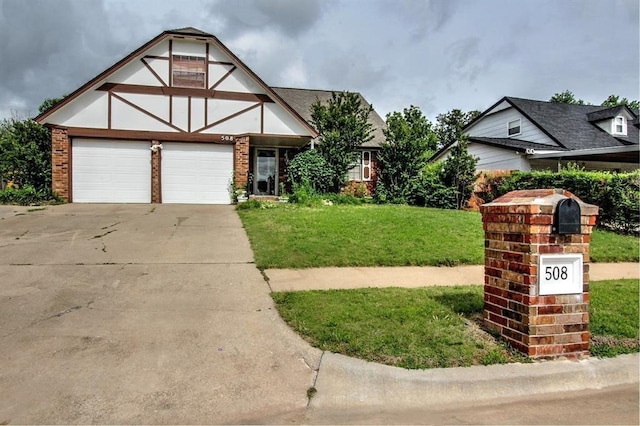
(126,117)
(494,158)
(156,105)
(180,111)
(248,122)
(278,121)
(239,81)
(88,110)
(217,55)
(189,48)
(218,109)
(495,126)
(135,72)
(197,113)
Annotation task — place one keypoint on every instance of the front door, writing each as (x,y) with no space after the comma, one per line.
(265,181)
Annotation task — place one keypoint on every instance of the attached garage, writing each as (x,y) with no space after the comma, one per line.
(109,171)
(196,173)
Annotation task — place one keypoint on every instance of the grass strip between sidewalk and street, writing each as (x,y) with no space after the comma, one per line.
(436,327)
(288,236)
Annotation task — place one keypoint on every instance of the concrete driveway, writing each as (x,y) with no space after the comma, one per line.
(141,314)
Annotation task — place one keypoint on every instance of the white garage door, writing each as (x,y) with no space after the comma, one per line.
(196,173)
(108,171)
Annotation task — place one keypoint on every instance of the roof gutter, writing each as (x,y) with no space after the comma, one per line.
(591,151)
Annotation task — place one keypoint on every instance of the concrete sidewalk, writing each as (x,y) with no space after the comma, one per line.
(410,276)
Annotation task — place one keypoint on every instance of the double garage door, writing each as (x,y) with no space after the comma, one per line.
(109,171)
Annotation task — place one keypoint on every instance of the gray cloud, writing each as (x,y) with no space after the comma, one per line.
(291,17)
(49,48)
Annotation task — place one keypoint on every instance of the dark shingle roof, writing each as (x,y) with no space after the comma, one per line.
(603,114)
(569,126)
(518,144)
(302,99)
(190,31)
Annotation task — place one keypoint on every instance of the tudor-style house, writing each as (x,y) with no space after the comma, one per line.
(524,134)
(175,121)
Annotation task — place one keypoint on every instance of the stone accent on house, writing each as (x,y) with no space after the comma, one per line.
(241,161)
(518,229)
(156,179)
(60,163)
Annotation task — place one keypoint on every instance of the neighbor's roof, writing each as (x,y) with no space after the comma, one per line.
(569,125)
(517,144)
(301,101)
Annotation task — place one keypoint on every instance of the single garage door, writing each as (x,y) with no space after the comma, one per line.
(196,173)
(109,171)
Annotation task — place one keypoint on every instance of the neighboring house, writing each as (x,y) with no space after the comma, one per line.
(523,134)
(174,121)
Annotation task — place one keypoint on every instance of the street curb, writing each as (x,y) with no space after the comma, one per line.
(345,382)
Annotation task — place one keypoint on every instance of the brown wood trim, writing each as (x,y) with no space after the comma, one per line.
(164,58)
(170,80)
(206,67)
(206,111)
(171,109)
(227,118)
(85,132)
(189,114)
(144,111)
(70,167)
(155,74)
(220,63)
(223,78)
(109,110)
(183,91)
(261,117)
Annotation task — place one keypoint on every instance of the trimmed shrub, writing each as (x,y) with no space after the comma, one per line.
(310,167)
(28,196)
(617,194)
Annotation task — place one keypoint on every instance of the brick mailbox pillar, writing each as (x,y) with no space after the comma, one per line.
(536,282)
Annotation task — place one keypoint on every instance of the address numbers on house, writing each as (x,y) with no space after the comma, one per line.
(560,274)
(226,138)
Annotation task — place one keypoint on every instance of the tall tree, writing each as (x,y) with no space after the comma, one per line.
(49,103)
(343,126)
(566,97)
(410,141)
(614,100)
(459,171)
(25,153)
(450,124)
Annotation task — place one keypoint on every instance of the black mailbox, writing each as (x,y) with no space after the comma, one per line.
(567,217)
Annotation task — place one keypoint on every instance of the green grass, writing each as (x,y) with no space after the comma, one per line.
(385,235)
(411,328)
(608,246)
(438,327)
(614,317)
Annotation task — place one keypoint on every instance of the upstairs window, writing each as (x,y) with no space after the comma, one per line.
(188,71)
(514,127)
(620,125)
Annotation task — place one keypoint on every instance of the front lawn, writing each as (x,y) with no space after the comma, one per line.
(437,327)
(385,235)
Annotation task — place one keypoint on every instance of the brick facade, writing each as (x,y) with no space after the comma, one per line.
(241,161)
(156,174)
(518,228)
(60,163)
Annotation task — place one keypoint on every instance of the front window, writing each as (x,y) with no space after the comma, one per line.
(188,71)
(514,127)
(361,170)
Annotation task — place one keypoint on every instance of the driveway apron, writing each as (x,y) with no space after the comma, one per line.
(141,314)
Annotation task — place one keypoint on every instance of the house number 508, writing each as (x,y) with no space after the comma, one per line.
(556,273)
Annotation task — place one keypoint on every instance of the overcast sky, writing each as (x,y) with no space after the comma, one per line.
(435,54)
